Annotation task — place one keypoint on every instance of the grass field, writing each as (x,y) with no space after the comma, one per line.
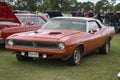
(93,67)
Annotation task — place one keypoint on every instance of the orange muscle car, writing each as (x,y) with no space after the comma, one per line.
(67,38)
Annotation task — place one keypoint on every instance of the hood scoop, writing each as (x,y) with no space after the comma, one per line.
(55,33)
(36,32)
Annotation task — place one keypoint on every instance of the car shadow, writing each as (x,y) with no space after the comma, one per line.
(41,63)
(45,63)
(2,47)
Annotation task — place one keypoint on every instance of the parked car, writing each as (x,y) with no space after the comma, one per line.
(53,14)
(28,22)
(66,38)
(7,19)
(21,11)
(11,23)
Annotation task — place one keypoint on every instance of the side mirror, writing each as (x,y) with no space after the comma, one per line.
(94,30)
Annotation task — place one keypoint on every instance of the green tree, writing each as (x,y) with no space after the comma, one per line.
(117,7)
(103,4)
(112,2)
(31,5)
(62,5)
(21,5)
(25,5)
(43,7)
(87,5)
(78,6)
(73,5)
(112,5)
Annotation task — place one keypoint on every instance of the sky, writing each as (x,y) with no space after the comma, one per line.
(94,1)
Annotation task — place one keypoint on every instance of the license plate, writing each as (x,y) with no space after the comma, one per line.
(33,54)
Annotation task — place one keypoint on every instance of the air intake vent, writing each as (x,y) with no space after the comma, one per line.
(54,33)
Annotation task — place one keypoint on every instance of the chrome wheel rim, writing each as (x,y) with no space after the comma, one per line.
(107,48)
(77,56)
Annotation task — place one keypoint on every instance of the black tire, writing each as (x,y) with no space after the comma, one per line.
(23,58)
(119,30)
(75,59)
(105,49)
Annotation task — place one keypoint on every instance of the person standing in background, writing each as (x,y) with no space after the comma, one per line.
(90,13)
(107,18)
(100,15)
(78,13)
(114,21)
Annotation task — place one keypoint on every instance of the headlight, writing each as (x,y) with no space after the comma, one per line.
(10,42)
(61,46)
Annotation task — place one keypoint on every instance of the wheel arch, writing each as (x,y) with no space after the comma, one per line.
(109,37)
(81,47)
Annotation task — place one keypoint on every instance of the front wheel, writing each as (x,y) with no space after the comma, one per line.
(105,49)
(75,58)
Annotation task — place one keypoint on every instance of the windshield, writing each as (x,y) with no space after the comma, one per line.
(65,24)
(35,20)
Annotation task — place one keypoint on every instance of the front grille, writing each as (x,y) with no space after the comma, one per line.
(34,44)
(23,43)
(46,45)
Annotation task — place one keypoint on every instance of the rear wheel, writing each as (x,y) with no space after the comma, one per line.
(105,49)
(75,59)
(23,58)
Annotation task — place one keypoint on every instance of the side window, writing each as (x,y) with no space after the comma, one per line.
(34,20)
(92,25)
(21,18)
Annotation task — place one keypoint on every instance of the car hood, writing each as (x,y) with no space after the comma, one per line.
(53,34)
(6,13)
